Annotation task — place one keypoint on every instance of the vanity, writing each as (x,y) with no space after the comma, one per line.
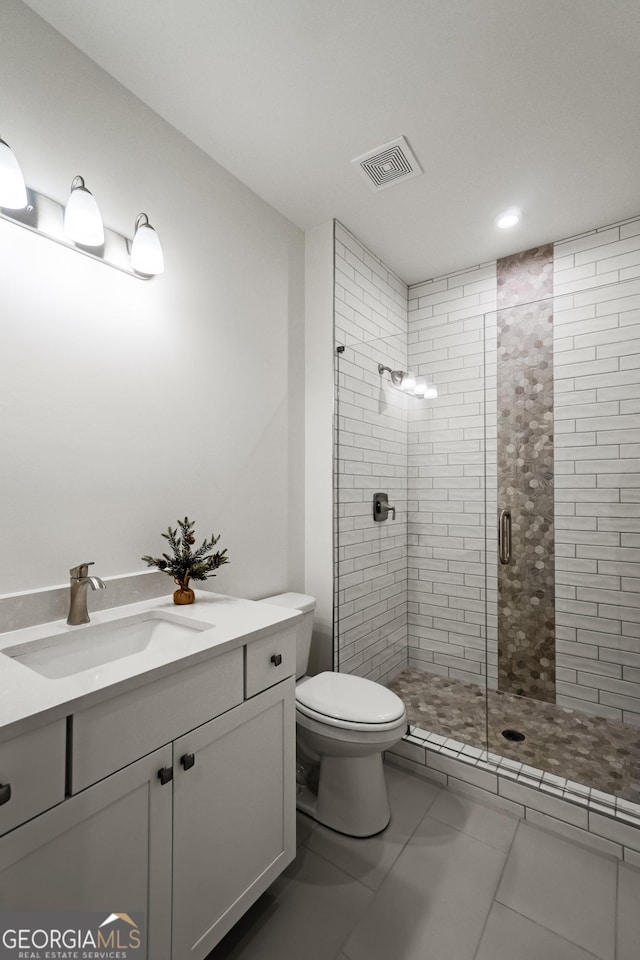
(160,781)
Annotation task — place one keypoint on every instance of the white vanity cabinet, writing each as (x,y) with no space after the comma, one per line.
(180,803)
(32,773)
(106,849)
(233,816)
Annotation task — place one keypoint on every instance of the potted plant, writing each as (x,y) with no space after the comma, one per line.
(184,564)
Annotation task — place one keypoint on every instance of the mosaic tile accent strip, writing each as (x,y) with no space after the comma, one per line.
(526,585)
(525,277)
(562,746)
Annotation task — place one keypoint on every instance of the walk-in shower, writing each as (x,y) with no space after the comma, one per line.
(503,602)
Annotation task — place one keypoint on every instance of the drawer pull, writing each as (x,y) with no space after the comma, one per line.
(276,659)
(165,774)
(188,760)
(5,793)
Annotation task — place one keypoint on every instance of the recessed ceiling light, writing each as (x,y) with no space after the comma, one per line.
(509,218)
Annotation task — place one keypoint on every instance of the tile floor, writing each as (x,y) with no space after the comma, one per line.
(449,879)
(589,750)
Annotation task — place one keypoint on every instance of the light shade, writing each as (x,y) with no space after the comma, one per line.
(420,388)
(146,251)
(13,193)
(82,219)
(409,382)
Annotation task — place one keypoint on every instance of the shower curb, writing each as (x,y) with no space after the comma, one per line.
(599,820)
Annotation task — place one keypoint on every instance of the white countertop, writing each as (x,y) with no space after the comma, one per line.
(28,699)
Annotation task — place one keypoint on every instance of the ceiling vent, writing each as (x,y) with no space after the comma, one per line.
(387,165)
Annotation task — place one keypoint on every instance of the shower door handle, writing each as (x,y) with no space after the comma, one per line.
(504,536)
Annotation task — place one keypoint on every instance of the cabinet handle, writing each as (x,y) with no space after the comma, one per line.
(5,793)
(188,760)
(165,774)
(276,659)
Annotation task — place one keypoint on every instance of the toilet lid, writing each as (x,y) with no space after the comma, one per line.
(343,696)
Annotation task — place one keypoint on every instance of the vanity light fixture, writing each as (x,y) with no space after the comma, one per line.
(146,252)
(82,219)
(406,382)
(13,192)
(79,226)
(509,218)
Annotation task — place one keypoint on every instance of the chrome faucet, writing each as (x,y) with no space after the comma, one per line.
(80,580)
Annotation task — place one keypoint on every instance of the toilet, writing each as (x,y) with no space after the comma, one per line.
(343,725)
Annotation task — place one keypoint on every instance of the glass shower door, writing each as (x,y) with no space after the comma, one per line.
(567,702)
(411,591)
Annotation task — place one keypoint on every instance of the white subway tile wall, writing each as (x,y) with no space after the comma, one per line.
(371,439)
(597,487)
(432,458)
(452,443)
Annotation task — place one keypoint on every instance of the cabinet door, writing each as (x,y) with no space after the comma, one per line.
(234,816)
(106,849)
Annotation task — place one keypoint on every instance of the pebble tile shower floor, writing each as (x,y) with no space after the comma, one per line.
(592,751)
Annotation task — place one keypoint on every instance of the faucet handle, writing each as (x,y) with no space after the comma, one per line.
(82,570)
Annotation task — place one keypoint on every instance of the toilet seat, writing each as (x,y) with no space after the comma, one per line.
(349,702)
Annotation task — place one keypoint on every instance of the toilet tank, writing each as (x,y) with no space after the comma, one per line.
(306,605)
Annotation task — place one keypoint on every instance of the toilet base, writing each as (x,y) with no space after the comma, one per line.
(352,796)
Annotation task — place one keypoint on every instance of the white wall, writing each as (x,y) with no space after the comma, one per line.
(123,404)
(319,385)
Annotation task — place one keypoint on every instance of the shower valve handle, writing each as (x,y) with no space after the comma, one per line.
(382,508)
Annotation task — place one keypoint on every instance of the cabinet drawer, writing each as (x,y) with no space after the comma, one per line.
(114,733)
(32,773)
(263,667)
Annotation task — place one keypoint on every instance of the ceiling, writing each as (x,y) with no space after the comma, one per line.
(504,102)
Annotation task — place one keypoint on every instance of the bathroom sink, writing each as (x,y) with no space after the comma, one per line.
(85,647)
